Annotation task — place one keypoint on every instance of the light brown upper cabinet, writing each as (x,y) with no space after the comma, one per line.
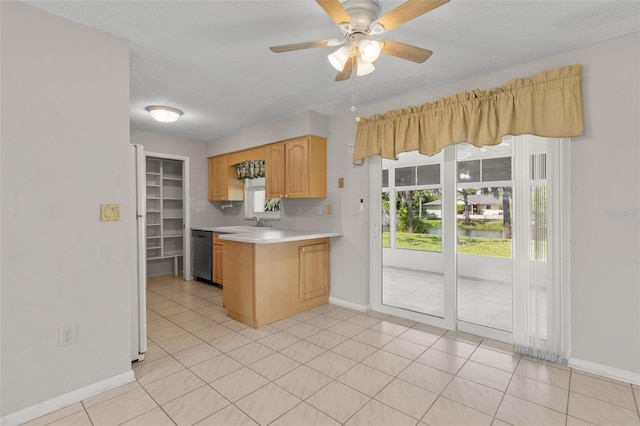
(223,183)
(296,168)
(274,170)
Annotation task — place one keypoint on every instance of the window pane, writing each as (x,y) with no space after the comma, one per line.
(429,174)
(257,204)
(385,178)
(484,266)
(413,280)
(258,201)
(496,169)
(418,224)
(484,221)
(469,171)
(406,176)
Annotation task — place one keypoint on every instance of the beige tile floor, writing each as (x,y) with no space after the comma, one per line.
(480,301)
(333,366)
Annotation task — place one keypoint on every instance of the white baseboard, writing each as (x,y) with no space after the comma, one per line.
(605,370)
(350,305)
(53,404)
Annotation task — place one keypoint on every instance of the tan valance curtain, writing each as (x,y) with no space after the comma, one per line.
(549,104)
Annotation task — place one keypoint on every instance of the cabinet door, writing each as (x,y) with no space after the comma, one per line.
(238,290)
(217,263)
(274,170)
(313,271)
(218,178)
(297,168)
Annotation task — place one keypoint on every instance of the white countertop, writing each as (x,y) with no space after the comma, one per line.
(256,235)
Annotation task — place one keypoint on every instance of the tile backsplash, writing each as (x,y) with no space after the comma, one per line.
(297,214)
(313,214)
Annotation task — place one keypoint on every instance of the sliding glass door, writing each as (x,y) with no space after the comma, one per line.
(475,239)
(445,245)
(412,238)
(484,216)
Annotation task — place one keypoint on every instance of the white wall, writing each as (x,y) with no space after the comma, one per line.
(60,159)
(304,123)
(350,253)
(605,163)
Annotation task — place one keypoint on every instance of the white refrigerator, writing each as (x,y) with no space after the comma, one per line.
(139,285)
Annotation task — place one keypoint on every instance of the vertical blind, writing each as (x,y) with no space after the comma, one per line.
(539,257)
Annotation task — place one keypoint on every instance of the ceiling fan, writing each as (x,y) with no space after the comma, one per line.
(358,21)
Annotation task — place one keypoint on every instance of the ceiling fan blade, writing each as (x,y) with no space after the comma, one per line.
(335,10)
(345,74)
(406,51)
(300,46)
(407,11)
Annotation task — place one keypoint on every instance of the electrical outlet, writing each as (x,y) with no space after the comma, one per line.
(67,335)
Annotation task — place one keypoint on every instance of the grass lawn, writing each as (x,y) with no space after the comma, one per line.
(468,245)
(477,224)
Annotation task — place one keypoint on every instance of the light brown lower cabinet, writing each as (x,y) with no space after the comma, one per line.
(218,255)
(264,283)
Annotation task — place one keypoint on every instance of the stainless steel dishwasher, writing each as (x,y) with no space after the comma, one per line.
(201,253)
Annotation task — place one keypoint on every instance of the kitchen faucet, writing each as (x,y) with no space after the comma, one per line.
(261,222)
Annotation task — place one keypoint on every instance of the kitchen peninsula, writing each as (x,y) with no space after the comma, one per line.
(271,274)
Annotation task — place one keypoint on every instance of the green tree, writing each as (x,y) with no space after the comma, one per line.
(505,193)
(465,199)
(405,199)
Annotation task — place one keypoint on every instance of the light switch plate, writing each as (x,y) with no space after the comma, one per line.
(110,212)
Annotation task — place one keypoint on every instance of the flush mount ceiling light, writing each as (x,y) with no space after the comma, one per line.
(358,20)
(164,114)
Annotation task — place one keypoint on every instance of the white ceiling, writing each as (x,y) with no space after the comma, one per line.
(211,58)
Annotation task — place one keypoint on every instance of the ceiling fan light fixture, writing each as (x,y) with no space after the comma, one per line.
(369,50)
(339,58)
(376,28)
(164,114)
(364,67)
